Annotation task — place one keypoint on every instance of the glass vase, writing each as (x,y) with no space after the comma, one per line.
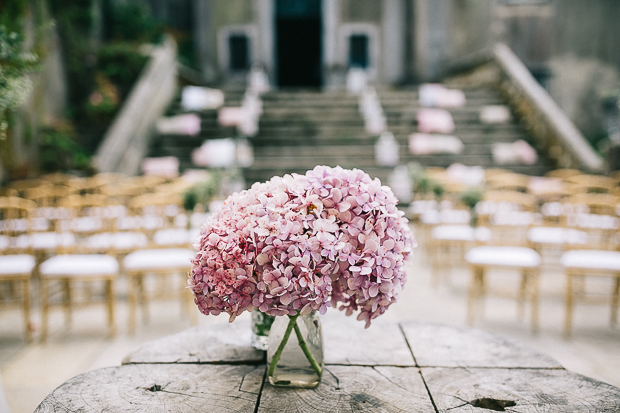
(295,351)
(261,324)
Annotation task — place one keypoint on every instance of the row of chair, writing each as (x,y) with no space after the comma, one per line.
(556,185)
(522,240)
(77,246)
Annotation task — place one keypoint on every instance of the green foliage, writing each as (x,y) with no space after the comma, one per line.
(75,21)
(438,189)
(103,102)
(12,13)
(60,151)
(132,22)
(471,197)
(121,63)
(262,324)
(14,66)
(202,192)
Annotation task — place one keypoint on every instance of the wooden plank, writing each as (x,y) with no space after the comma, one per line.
(439,345)
(353,389)
(214,343)
(348,342)
(156,388)
(518,390)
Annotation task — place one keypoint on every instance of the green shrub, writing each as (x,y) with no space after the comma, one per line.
(60,151)
(121,63)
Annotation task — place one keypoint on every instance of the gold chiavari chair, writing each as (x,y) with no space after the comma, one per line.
(17,264)
(563,173)
(160,271)
(586,183)
(83,273)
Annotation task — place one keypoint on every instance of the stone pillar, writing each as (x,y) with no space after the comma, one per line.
(266,37)
(432,25)
(393,41)
(331,18)
(204,38)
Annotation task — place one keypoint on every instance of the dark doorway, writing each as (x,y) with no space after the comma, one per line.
(238,45)
(358,51)
(298,43)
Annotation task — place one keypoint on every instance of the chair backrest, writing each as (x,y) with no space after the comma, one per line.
(498,201)
(594,203)
(592,183)
(122,191)
(563,173)
(57,178)
(509,181)
(597,215)
(21,186)
(15,225)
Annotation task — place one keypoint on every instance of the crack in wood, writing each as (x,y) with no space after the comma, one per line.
(260,392)
(335,378)
(428,391)
(242,380)
(389,379)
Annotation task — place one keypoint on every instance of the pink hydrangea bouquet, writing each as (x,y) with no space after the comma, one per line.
(301,243)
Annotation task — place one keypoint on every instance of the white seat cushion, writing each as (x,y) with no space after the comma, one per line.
(460,233)
(79,265)
(19,264)
(556,235)
(172,236)
(592,259)
(153,259)
(51,240)
(503,256)
(453,232)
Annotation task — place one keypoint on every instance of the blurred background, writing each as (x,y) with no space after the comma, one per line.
(125,123)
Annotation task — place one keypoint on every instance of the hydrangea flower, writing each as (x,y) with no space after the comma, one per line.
(302,243)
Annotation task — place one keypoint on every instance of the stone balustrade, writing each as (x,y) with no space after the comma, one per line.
(555,133)
(126,142)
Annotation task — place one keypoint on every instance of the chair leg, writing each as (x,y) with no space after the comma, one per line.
(26,306)
(66,285)
(534,284)
(614,302)
(569,306)
(143,298)
(474,293)
(522,294)
(44,308)
(110,305)
(132,302)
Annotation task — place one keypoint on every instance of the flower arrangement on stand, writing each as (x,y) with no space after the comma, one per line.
(299,244)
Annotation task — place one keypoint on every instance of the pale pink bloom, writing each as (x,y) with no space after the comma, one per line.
(298,243)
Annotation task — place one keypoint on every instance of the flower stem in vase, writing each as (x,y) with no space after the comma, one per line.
(295,364)
(278,353)
(306,350)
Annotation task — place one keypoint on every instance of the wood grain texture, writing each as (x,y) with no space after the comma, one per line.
(215,343)
(348,342)
(531,390)
(159,388)
(449,346)
(353,389)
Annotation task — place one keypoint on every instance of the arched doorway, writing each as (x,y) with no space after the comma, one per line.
(298,43)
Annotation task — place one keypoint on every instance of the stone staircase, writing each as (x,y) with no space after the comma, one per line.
(400,107)
(181,146)
(300,129)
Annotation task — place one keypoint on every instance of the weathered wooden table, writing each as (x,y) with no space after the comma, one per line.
(411,367)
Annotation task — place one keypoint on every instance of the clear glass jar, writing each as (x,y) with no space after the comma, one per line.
(261,324)
(295,351)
